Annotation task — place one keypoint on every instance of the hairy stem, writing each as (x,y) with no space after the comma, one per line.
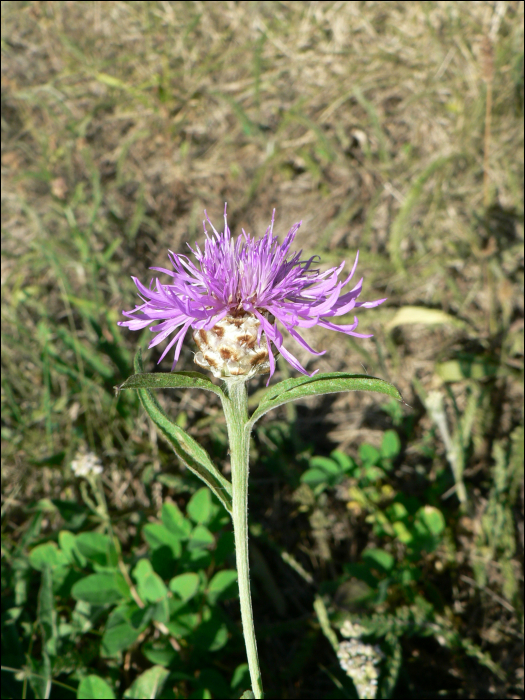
(236,411)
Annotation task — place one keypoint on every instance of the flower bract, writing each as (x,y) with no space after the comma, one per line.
(257,285)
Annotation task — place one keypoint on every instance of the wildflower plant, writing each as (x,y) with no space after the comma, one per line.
(238,297)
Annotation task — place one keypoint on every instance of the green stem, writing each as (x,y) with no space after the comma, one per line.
(236,412)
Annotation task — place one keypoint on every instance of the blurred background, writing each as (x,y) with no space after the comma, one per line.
(395,128)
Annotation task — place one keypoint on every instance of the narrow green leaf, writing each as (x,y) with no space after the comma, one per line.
(94,688)
(193,455)
(149,684)
(168,380)
(329,383)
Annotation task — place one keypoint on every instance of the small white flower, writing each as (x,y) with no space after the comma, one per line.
(360,662)
(85,464)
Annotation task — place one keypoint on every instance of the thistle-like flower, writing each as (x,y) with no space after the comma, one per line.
(235,296)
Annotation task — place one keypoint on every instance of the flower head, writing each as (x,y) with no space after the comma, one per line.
(235,296)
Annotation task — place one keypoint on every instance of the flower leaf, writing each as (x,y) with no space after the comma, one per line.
(329,383)
(192,454)
(168,380)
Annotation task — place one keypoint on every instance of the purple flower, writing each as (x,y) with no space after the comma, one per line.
(239,281)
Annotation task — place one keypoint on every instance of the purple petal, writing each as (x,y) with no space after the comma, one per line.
(260,276)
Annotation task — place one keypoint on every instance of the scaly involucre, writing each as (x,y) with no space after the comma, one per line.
(246,278)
